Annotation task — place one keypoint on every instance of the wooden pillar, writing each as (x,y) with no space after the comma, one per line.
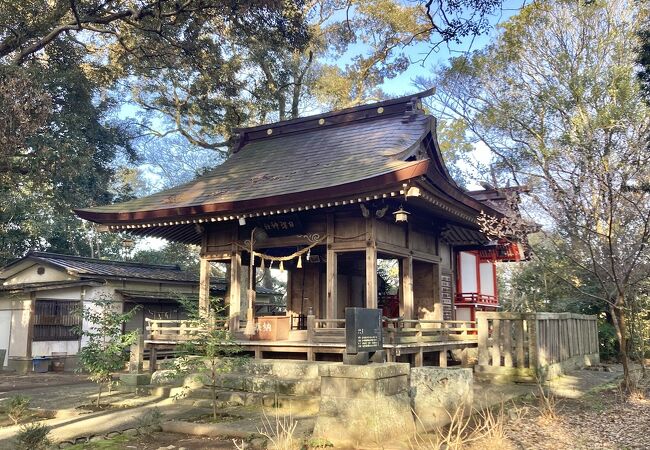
(204,287)
(234,298)
(332,272)
(408,299)
(442,357)
(371,264)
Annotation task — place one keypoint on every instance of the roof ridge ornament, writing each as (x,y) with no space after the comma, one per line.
(414,106)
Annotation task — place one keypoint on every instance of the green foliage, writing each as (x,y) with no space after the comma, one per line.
(608,341)
(150,421)
(318,443)
(557,99)
(32,436)
(17,406)
(63,158)
(186,256)
(104,343)
(210,351)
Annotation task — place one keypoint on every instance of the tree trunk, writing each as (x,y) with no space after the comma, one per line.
(214,401)
(618,316)
(99,394)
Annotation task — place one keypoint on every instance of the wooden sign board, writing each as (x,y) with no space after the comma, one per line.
(363,330)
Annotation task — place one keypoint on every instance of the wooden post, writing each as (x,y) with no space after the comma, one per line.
(311,324)
(533,361)
(153,357)
(419,356)
(506,331)
(331,307)
(234,299)
(442,357)
(520,359)
(407,282)
(482,325)
(496,342)
(371,264)
(204,287)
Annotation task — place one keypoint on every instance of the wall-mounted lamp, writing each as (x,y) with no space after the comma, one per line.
(401,215)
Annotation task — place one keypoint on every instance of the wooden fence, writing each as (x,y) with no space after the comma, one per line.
(401,331)
(534,346)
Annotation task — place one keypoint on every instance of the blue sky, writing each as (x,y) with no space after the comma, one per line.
(403,84)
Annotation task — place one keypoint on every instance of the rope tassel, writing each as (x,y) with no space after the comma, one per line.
(299,265)
(281,266)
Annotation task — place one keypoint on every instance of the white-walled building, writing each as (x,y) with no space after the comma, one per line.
(40,293)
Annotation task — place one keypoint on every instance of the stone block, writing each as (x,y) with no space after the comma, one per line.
(371,371)
(165,376)
(437,393)
(364,405)
(135,379)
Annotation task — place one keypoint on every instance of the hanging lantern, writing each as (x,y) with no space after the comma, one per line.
(299,265)
(401,215)
(281,266)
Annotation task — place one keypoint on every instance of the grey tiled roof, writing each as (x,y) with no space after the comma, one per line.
(91,267)
(296,162)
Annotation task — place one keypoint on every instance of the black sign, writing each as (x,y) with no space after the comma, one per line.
(363,331)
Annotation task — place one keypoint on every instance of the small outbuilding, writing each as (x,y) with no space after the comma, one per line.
(41,293)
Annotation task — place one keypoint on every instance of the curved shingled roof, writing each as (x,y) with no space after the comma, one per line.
(310,159)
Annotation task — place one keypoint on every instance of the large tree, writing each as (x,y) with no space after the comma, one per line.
(63,133)
(558,101)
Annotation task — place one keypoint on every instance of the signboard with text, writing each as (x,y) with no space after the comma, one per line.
(363,330)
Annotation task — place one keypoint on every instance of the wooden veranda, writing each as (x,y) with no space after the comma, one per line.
(404,340)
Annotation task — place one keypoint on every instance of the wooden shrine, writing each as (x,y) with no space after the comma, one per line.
(324,198)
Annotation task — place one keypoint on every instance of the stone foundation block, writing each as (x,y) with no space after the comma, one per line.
(437,393)
(135,379)
(364,405)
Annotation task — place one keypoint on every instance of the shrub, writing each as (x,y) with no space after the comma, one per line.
(33,436)
(17,407)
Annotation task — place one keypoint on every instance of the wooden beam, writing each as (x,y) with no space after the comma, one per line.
(371,264)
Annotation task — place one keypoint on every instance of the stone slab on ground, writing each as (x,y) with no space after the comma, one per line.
(103,422)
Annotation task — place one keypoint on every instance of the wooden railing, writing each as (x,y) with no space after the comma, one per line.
(332,331)
(170,330)
(325,331)
(474,297)
(534,346)
(406,331)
